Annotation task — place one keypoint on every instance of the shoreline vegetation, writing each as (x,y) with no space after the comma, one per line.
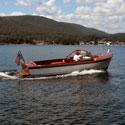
(37,30)
(89,43)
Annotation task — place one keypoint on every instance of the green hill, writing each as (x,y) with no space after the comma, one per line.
(31,29)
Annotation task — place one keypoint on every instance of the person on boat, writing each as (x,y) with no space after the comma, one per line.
(77,57)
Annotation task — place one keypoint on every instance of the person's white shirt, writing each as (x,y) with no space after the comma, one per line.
(76,57)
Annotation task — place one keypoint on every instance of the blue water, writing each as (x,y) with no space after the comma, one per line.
(90,97)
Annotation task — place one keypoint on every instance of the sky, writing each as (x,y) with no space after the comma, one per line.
(104,15)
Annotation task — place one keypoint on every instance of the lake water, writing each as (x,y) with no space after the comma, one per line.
(90,97)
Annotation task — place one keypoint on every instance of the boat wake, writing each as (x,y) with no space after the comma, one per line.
(12,75)
(8,75)
(85,72)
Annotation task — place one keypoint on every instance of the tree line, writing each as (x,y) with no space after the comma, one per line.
(57,39)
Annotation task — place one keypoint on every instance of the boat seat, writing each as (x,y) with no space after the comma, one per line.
(57,62)
(31,64)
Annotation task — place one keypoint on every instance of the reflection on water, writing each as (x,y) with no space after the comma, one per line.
(82,99)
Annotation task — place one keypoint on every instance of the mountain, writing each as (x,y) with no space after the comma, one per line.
(27,29)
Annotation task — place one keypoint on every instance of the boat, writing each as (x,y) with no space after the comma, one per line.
(64,65)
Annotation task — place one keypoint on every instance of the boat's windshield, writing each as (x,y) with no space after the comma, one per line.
(81,52)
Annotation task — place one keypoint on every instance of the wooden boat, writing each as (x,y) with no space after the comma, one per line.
(65,65)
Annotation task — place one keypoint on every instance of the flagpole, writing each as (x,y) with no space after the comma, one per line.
(22,56)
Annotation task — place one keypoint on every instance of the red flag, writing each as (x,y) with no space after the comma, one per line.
(18,58)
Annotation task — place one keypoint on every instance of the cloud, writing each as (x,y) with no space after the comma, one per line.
(66,1)
(42,7)
(16,13)
(21,3)
(108,16)
(2,14)
(88,1)
(82,10)
(48,9)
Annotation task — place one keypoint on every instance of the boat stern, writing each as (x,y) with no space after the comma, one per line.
(24,71)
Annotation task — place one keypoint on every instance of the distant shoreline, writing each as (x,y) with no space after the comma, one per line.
(64,44)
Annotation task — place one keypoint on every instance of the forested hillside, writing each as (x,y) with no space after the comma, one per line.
(37,29)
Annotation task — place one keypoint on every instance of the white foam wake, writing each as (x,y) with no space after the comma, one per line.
(85,72)
(7,76)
